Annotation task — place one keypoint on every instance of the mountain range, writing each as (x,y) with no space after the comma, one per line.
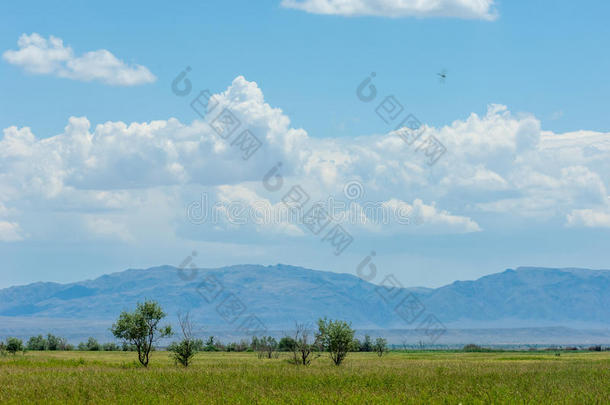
(225,299)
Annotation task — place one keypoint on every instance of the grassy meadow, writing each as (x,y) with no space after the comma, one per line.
(242,378)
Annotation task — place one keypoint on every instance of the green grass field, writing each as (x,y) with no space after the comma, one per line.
(413,377)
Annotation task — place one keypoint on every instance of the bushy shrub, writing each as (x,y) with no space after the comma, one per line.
(56,342)
(126,347)
(51,342)
(240,346)
(367,344)
(198,345)
(14,345)
(110,347)
(91,345)
(37,343)
(380,346)
(475,348)
(184,350)
(211,345)
(286,344)
(266,346)
(336,337)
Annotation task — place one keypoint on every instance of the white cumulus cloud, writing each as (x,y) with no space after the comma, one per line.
(10,232)
(106,228)
(466,9)
(125,179)
(39,55)
(589,218)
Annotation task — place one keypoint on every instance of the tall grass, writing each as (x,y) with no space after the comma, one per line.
(242,378)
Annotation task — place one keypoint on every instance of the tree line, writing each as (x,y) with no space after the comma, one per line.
(52,343)
(140,331)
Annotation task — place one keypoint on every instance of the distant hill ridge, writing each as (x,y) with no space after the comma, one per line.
(281,294)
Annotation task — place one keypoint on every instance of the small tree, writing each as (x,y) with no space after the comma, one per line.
(93,345)
(240,346)
(210,345)
(380,346)
(56,342)
(266,347)
(185,350)
(37,343)
(303,349)
(367,345)
(336,338)
(141,328)
(286,344)
(127,347)
(52,342)
(198,345)
(14,345)
(254,344)
(472,348)
(110,347)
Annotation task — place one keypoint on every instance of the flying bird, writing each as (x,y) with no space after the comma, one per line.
(442,76)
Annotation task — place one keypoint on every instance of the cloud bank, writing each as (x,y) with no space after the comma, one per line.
(42,56)
(133,181)
(465,9)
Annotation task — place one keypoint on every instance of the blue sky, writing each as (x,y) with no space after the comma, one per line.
(546,62)
(545,58)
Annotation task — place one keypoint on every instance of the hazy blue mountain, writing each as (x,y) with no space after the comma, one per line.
(527,294)
(280,295)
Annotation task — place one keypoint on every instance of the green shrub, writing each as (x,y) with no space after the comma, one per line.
(37,343)
(14,345)
(380,346)
(266,346)
(56,342)
(184,351)
(336,337)
(93,345)
(286,344)
(126,347)
(210,345)
(110,347)
(367,345)
(475,348)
